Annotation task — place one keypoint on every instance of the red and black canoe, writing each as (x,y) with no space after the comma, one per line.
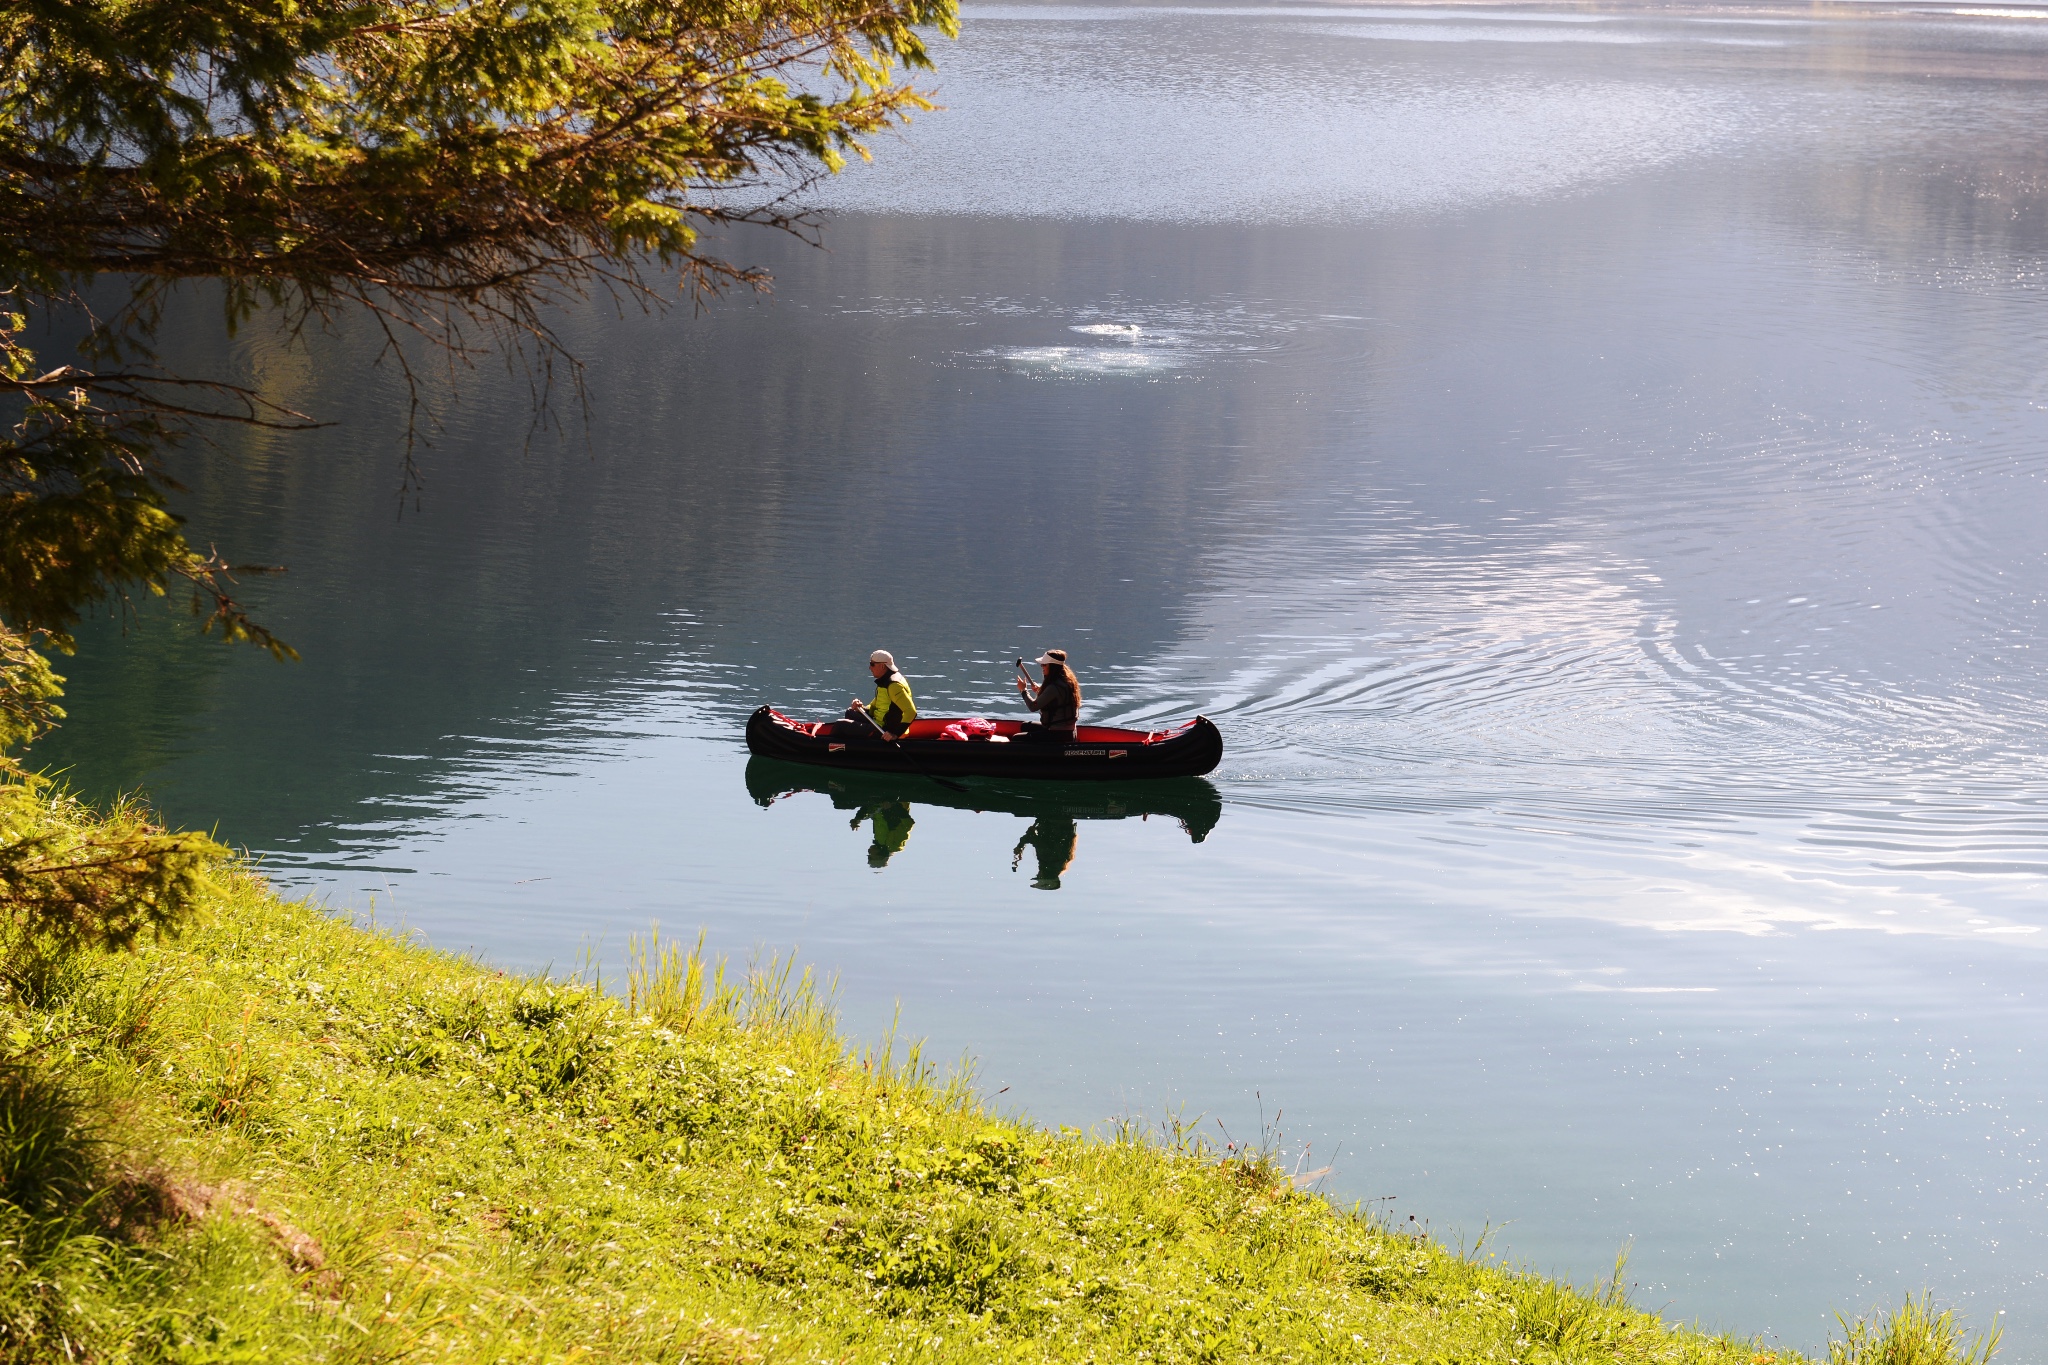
(980,748)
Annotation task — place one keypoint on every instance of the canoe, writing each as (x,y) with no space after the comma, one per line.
(1189,800)
(992,749)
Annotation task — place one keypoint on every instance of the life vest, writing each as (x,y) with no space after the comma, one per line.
(892,707)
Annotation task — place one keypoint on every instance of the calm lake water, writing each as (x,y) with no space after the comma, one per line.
(1592,466)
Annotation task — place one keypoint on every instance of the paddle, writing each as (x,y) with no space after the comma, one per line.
(932,777)
(1018,664)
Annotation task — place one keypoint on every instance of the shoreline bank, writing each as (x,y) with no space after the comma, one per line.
(279,1135)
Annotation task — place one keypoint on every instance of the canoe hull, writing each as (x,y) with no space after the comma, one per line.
(1098,753)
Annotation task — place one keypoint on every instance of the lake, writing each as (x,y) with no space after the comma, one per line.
(1592,465)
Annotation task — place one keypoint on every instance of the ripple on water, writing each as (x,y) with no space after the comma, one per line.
(1550,680)
(1088,360)
(1159,342)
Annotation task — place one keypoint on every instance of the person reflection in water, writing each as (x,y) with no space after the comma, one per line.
(1053,837)
(890,822)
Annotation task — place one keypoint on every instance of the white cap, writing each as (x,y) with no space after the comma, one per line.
(1051,656)
(882,656)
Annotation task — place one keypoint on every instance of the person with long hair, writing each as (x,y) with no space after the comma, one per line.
(1057,700)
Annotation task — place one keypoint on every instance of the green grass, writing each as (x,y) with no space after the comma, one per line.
(281,1137)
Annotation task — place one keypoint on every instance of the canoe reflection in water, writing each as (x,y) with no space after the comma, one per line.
(885,801)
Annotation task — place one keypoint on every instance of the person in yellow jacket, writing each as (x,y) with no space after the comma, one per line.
(892,709)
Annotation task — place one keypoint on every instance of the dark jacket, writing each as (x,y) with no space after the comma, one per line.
(1058,700)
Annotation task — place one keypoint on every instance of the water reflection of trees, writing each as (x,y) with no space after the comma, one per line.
(886,803)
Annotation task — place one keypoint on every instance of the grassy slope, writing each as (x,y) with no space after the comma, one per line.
(331,1144)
